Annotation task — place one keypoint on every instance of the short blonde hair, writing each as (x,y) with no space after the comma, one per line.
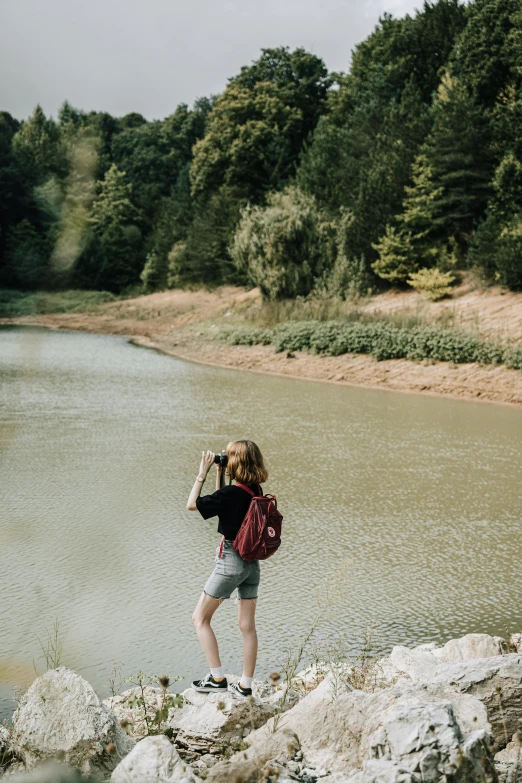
(245,462)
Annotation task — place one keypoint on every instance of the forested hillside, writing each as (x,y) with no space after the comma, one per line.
(403,171)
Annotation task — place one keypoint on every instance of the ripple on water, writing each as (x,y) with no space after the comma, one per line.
(416,500)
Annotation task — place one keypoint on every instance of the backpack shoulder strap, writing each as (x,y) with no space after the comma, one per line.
(247,489)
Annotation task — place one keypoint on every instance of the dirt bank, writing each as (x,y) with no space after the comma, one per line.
(183,324)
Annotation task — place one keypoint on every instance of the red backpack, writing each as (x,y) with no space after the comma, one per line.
(260,533)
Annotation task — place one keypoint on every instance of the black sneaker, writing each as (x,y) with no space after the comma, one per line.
(236,687)
(208,684)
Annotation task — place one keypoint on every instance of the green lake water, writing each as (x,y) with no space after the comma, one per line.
(417,500)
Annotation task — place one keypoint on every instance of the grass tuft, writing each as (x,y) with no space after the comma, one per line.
(16,304)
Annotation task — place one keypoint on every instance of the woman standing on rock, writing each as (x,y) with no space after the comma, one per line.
(230,504)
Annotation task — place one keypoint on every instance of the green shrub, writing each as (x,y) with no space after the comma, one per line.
(247,336)
(346,275)
(432,283)
(381,340)
(513,358)
(280,247)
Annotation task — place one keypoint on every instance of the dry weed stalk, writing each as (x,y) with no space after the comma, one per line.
(330,597)
(52,648)
(154,717)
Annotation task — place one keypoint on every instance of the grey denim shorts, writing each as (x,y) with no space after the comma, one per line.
(232,571)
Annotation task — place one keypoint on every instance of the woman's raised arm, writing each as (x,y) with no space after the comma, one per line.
(207,460)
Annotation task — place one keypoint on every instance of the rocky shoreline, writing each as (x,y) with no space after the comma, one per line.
(433,714)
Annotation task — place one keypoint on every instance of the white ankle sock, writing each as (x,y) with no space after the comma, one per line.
(217,673)
(246,682)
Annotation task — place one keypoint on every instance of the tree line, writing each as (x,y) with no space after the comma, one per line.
(402,171)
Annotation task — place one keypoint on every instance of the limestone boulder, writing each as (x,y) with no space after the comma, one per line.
(410,662)
(199,720)
(495,681)
(383,771)
(209,720)
(240,771)
(426,740)
(61,716)
(282,744)
(508,762)
(48,772)
(410,725)
(473,645)
(153,760)
(278,747)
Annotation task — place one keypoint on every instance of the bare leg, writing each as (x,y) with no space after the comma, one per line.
(247,625)
(201,618)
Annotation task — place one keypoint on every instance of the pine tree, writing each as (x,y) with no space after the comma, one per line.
(26,256)
(487,57)
(117,250)
(409,245)
(120,258)
(507,187)
(496,249)
(154,273)
(113,205)
(396,260)
(419,207)
(37,146)
(450,187)
(459,156)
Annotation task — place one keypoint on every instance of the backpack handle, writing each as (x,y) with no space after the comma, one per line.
(247,489)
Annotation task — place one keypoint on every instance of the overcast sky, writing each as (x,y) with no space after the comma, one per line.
(149,55)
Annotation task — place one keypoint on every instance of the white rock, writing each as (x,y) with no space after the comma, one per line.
(208,760)
(473,645)
(282,744)
(323,741)
(426,739)
(5,739)
(216,716)
(287,699)
(512,753)
(416,661)
(61,712)
(383,771)
(153,760)
(278,746)
(403,723)
(496,682)
(239,772)
(48,772)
